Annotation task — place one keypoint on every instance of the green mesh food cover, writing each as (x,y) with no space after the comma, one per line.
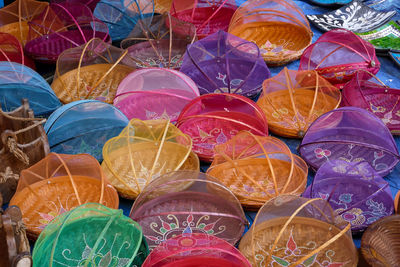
(91,235)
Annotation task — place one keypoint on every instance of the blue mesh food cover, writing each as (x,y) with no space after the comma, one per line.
(121,16)
(17,82)
(83,127)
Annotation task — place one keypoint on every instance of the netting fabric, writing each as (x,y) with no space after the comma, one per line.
(12,50)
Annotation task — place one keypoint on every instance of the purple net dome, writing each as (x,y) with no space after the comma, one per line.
(350,134)
(224,63)
(356,192)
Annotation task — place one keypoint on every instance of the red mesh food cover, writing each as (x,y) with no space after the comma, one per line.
(338,54)
(12,50)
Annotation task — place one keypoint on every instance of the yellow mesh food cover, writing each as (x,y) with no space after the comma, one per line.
(292,100)
(143,151)
(58,183)
(258,168)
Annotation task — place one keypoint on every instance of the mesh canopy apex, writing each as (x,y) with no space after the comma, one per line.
(83,127)
(155,93)
(91,235)
(350,134)
(18,82)
(278,27)
(258,168)
(89,3)
(58,183)
(188,202)
(292,100)
(224,63)
(213,119)
(298,231)
(143,151)
(207,16)
(61,26)
(338,54)
(12,50)
(159,41)
(189,248)
(91,71)
(355,191)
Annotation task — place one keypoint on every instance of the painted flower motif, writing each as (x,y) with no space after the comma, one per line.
(397,113)
(377,109)
(277,114)
(388,119)
(354,216)
(48,217)
(321,153)
(346,198)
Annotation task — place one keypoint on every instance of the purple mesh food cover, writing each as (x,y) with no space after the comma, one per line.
(224,63)
(350,134)
(356,192)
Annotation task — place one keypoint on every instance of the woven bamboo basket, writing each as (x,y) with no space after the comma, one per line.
(23,143)
(143,151)
(380,242)
(397,203)
(258,168)
(278,27)
(57,184)
(292,231)
(91,71)
(293,100)
(14,17)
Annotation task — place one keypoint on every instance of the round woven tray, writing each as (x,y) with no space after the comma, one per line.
(143,155)
(286,124)
(61,197)
(294,39)
(251,196)
(307,233)
(66,89)
(380,244)
(14,29)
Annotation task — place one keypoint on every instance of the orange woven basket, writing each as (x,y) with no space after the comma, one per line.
(91,71)
(294,231)
(278,27)
(397,203)
(258,168)
(292,100)
(14,17)
(161,6)
(57,184)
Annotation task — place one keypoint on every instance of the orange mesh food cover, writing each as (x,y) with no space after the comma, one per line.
(57,184)
(292,100)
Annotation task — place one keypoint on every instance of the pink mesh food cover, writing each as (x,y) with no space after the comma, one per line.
(207,16)
(186,202)
(224,63)
(190,249)
(356,192)
(337,54)
(213,119)
(366,91)
(159,41)
(62,26)
(353,135)
(155,93)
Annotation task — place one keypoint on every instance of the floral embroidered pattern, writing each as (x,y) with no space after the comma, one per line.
(322,153)
(207,140)
(281,49)
(151,115)
(160,62)
(376,109)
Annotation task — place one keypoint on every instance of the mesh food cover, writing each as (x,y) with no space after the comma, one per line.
(14,17)
(61,26)
(155,93)
(367,91)
(292,100)
(57,184)
(162,6)
(186,202)
(91,235)
(278,27)
(207,16)
(159,41)
(90,3)
(355,191)
(397,202)
(190,249)
(91,71)
(224,63)
(258,168)
(83,127)
(12,50)
(143,151)
(213,119)
(295,231)
(18,82)
(338,54)
(122,16)
(353,135)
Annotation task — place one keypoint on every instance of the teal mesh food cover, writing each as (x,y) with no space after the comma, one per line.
(91,235)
